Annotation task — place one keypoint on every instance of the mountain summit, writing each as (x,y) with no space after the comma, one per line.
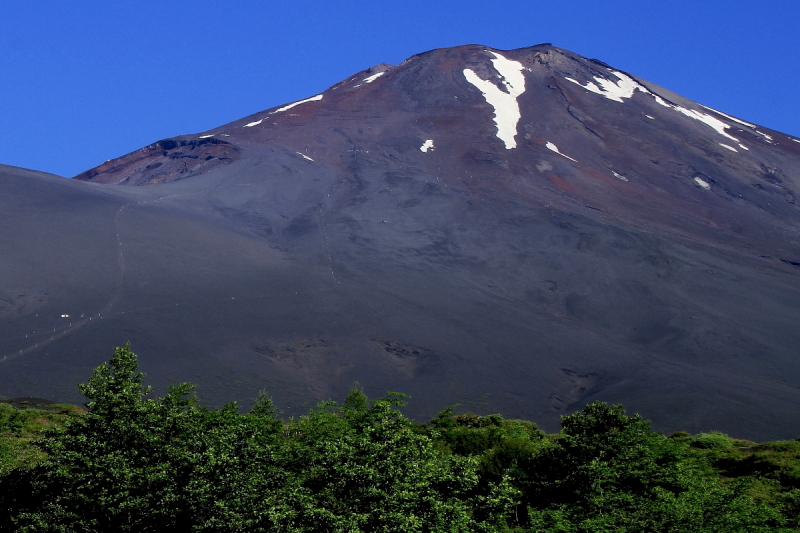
(519,231)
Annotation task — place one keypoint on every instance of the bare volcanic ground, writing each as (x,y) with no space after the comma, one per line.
(336,244)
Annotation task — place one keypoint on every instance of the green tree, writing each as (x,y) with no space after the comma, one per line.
(365,468)
(137,464)
(610,472)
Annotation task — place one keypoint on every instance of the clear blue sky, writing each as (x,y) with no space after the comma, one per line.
(85,81)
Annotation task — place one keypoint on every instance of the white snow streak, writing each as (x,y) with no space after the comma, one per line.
(743,147)
(796,140)
(623,178)
(373,77)
(731,148)
(704,184)
(287,107)
(626,86)
(742,122)
(427,145)
(660,101)
(715,123)
(613,90)
(206,136)
(506,108)
(617,90)
(767,137)
(554,148)
(648,116)
(304,155)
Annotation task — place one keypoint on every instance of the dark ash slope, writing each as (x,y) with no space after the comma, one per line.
(304,248)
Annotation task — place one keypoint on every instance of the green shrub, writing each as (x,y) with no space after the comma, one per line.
(713,440)
(790,446)
(137,463)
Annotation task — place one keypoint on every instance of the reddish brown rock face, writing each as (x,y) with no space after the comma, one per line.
(519,231)
(163,162)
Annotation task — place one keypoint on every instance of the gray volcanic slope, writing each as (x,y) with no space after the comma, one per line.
(516,231)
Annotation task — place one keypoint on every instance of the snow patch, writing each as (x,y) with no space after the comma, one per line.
(504,101)
(623,178)
(648,116)
(660,101)
(617,90)
(373,77)
(796,140)
(708,120)
(206,136)
(742,122)
(590,86)
(427,145)
(256,123)
(613,90)
(626,86)
(704,184)
(731,148)
(743,147)
(554,148)
(304,155)
(768,138)
(287,107)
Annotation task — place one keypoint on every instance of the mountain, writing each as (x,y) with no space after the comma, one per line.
(516,231)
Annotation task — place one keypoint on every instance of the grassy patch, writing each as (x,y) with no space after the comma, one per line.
(23,423)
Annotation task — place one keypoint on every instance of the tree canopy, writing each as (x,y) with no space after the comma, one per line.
(134,462)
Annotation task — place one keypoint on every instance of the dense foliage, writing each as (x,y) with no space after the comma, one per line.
(135,463)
